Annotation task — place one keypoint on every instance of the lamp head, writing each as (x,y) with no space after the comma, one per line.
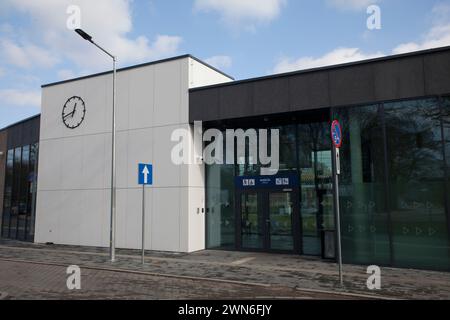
(84,35)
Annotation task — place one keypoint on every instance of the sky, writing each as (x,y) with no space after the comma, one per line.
(244,38)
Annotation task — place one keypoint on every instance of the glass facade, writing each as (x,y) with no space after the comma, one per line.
(220,205)
(362,187)
(394,188)
(316,191)
(20,193)
(265,219)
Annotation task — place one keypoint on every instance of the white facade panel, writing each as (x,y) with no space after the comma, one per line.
(168,93)
(201,75)
(73,201)
(95,157)
(166,225)
(142,102)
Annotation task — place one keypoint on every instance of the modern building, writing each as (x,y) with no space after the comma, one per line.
(394,187)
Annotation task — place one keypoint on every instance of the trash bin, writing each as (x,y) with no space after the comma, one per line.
(329,244)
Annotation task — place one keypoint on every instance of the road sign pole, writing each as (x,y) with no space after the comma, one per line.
(338,215)
(145,177)
(336,137)
(143,224)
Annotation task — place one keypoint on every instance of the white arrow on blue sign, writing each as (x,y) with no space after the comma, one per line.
(145,174)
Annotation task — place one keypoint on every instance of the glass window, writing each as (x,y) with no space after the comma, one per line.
(364,218)
(252,232)
(32,191)
(220,217)
(24,180)
(23,193)
(15,193)
(446,124)
(7,193)
(417,184)
(316,193)
(288,149)
(20,193)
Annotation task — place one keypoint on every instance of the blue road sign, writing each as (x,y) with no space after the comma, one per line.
(145,174)
(336,134)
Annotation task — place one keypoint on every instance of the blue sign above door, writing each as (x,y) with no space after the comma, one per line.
(285,181)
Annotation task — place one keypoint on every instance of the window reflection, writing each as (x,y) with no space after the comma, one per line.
(417,183)
(20,193)
(364,217)
(316,193)
(394,184)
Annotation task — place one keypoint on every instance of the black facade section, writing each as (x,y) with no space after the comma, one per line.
(18,174)
(412,75)
(23,133)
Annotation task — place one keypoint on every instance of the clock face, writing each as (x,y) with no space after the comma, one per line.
(73,112)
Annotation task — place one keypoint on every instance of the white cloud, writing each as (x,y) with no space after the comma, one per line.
(26,56)
(21,98)
(108,21)
(337,56)
(352,4)
(220,62)
(437,36)
(247,13)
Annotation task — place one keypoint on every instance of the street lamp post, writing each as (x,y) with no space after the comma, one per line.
(112,239)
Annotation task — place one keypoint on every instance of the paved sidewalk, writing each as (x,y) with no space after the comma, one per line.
(287,271)
(37,281)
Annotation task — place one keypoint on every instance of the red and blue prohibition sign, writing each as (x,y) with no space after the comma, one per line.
(336,134)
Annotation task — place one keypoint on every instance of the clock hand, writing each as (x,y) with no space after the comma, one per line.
(74,109)
(69,114)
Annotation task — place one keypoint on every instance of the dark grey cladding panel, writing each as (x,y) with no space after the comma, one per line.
(236,101)
(309,91)
(23,133)
(352,85)
(399,79)
(437,73)
(412,75)
(204,105)
(15,136)
(271,96)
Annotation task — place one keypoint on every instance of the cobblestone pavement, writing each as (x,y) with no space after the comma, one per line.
(286,273)
(25,280)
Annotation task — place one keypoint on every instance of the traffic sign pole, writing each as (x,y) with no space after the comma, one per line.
(338,217)
(145,177)
(336,137)
(143,224)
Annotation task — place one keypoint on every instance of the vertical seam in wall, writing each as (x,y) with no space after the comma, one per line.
(127,137)
(153,154)
(105,172)
(84,192)
(180,168)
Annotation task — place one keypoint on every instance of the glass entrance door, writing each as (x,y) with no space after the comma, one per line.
(268,221)
(281,235)
(252,221)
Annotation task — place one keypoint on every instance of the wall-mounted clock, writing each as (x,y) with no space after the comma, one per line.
(73,112)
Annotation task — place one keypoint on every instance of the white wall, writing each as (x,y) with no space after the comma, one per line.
(73,201)
(201,75)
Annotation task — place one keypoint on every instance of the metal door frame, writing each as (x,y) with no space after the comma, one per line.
(263,209)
